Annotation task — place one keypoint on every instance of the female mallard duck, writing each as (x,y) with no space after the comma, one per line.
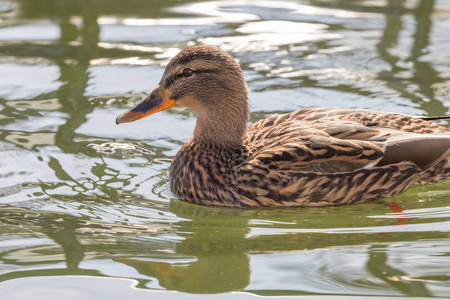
(310,157)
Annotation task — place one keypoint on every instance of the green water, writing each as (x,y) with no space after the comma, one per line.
(85,206)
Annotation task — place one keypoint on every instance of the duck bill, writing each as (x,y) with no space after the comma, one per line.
(156,101)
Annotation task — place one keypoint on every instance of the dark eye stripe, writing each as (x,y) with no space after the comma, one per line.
(175,77)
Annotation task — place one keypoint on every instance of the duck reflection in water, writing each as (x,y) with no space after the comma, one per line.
(218,258)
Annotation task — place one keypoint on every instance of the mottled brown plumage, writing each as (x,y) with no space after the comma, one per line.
(310,157)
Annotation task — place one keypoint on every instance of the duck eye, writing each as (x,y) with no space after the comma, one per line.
(188,72)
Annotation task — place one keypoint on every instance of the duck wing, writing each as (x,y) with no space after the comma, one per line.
(330,157)
(340,140)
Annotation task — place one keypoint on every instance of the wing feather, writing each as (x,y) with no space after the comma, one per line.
(333,140)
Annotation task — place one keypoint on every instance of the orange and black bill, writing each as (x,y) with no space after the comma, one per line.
(155,102)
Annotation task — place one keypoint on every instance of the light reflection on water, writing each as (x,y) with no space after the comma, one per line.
(80,196)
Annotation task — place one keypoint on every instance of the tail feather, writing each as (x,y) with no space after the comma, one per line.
(434,118)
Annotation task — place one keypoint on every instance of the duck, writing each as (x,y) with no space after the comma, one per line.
(309,157)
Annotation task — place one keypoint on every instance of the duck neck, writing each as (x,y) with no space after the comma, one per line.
(223,127)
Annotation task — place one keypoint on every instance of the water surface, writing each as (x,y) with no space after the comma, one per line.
(85,206)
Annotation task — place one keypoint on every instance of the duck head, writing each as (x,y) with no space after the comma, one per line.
(209,81)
